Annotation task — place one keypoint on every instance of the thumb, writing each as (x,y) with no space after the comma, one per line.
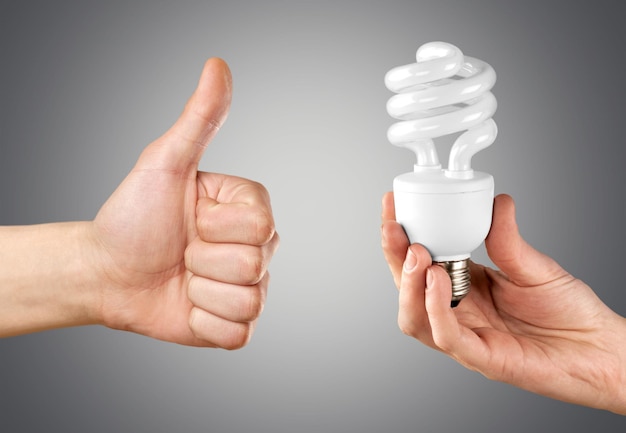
(181,147)
(523,264)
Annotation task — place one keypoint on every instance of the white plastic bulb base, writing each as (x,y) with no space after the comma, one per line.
(450,215)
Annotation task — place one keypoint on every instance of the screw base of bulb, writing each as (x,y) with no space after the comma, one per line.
(459,274)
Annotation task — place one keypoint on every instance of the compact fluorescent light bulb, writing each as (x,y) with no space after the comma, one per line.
(448,210)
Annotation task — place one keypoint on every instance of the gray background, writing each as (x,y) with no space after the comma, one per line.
(84,86)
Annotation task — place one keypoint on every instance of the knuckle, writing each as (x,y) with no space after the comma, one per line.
(406,330)
(253,267)
(261,217)
(442,344)
(240,336)
(260,189)
(252,305)
(263,226)
(407,327)
(226,335)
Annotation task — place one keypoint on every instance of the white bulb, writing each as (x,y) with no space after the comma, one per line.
(448,210)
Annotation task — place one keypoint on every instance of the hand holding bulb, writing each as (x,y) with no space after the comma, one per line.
(530,323)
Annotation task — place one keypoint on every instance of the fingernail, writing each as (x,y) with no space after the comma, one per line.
(411,261)
(429,278)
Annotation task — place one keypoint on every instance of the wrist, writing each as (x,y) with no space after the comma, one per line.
(620,399)
(86,277)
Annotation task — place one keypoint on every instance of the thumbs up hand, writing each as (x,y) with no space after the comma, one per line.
(184,253)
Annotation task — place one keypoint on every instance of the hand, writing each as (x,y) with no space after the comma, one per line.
(531,324)
(184,254)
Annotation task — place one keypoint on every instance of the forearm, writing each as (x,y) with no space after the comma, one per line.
(46,280)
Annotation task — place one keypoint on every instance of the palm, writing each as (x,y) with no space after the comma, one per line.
(542,333)
(144,229)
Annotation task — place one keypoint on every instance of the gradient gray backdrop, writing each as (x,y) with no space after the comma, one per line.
(85,85)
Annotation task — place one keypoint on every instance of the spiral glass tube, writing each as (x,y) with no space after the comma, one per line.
(448,210)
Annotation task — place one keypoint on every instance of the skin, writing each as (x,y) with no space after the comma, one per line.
(175,254)
(530,323)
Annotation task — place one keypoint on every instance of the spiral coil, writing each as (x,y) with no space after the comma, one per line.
(443,93)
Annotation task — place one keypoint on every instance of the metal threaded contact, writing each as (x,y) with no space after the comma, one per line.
(459,273)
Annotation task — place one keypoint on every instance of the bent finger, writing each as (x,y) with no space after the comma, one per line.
(448,335)
(229,263)
(412,317)
(229,301)
(218,331)
(238,222)
(388,207)
(394,241)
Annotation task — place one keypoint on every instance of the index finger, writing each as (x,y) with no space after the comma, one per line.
(233,210)
(393,239)
(389,211)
